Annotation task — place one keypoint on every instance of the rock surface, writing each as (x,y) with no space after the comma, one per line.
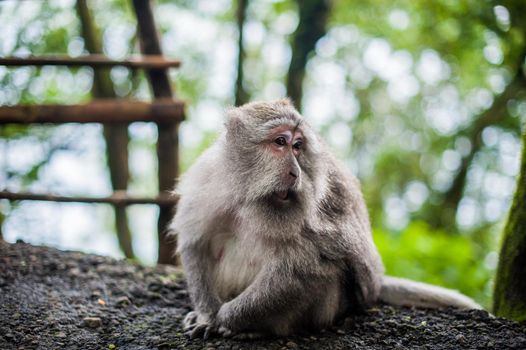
(51,299)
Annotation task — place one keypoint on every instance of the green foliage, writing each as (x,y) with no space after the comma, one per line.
(406,140)
(436,257)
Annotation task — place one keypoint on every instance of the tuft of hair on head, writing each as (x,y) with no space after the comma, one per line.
(268,110)
(286,101)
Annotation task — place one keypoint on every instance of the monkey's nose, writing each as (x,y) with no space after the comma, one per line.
(294,173)
(293,176)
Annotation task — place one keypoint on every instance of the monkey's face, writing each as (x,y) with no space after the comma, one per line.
(284,145)
(268,162)
(271,152)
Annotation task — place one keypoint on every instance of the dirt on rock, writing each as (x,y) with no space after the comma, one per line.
(50,299)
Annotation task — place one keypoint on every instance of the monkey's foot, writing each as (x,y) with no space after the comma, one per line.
(198,325)
(227,333)
(249,336)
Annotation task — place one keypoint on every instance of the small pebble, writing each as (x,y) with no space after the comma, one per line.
(291,345)
(460,338)
(123,301)
(92,322)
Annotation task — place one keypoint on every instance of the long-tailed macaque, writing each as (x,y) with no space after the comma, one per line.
(274,234)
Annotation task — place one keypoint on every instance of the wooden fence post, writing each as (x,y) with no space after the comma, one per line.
(167,143)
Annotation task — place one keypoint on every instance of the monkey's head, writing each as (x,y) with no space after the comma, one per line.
(272,151)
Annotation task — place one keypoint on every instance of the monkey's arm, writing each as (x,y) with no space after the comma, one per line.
(202,320)
(197,264)
(275,291)
(364,265)
(350,239)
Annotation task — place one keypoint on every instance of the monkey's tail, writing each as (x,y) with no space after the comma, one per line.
(403,292)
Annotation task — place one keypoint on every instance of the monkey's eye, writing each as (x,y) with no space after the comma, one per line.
(298,144)
(281,141)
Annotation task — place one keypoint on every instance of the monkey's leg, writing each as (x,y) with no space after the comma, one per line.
(267,304)
(364,277)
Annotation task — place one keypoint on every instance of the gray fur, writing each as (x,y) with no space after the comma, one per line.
(403,292)
(256,264)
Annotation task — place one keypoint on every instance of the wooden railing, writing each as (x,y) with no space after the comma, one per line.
(164,110)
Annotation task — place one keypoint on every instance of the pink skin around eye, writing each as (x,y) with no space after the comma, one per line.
(290,136)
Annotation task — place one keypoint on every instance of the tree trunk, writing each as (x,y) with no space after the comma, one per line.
(116,136)
(1,225)
(312,26)
(242,96)
(509,299)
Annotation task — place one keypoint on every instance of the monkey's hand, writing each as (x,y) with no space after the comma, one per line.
(227,332)
(197,325)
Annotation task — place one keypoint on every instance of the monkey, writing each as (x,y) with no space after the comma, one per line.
(274,234)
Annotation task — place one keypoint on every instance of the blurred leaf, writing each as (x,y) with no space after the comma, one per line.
(435,257)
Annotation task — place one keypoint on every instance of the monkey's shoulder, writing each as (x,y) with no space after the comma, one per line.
(203,168)
(341,196)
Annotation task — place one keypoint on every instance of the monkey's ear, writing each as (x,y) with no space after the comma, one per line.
(286,101)
(234,123)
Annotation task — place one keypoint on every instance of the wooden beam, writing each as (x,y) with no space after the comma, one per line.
(117,198)
(109,111)
(95,60)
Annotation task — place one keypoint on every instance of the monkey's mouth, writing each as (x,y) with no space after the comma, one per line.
(283,195)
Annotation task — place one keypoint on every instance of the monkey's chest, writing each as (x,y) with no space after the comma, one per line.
(237,262)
